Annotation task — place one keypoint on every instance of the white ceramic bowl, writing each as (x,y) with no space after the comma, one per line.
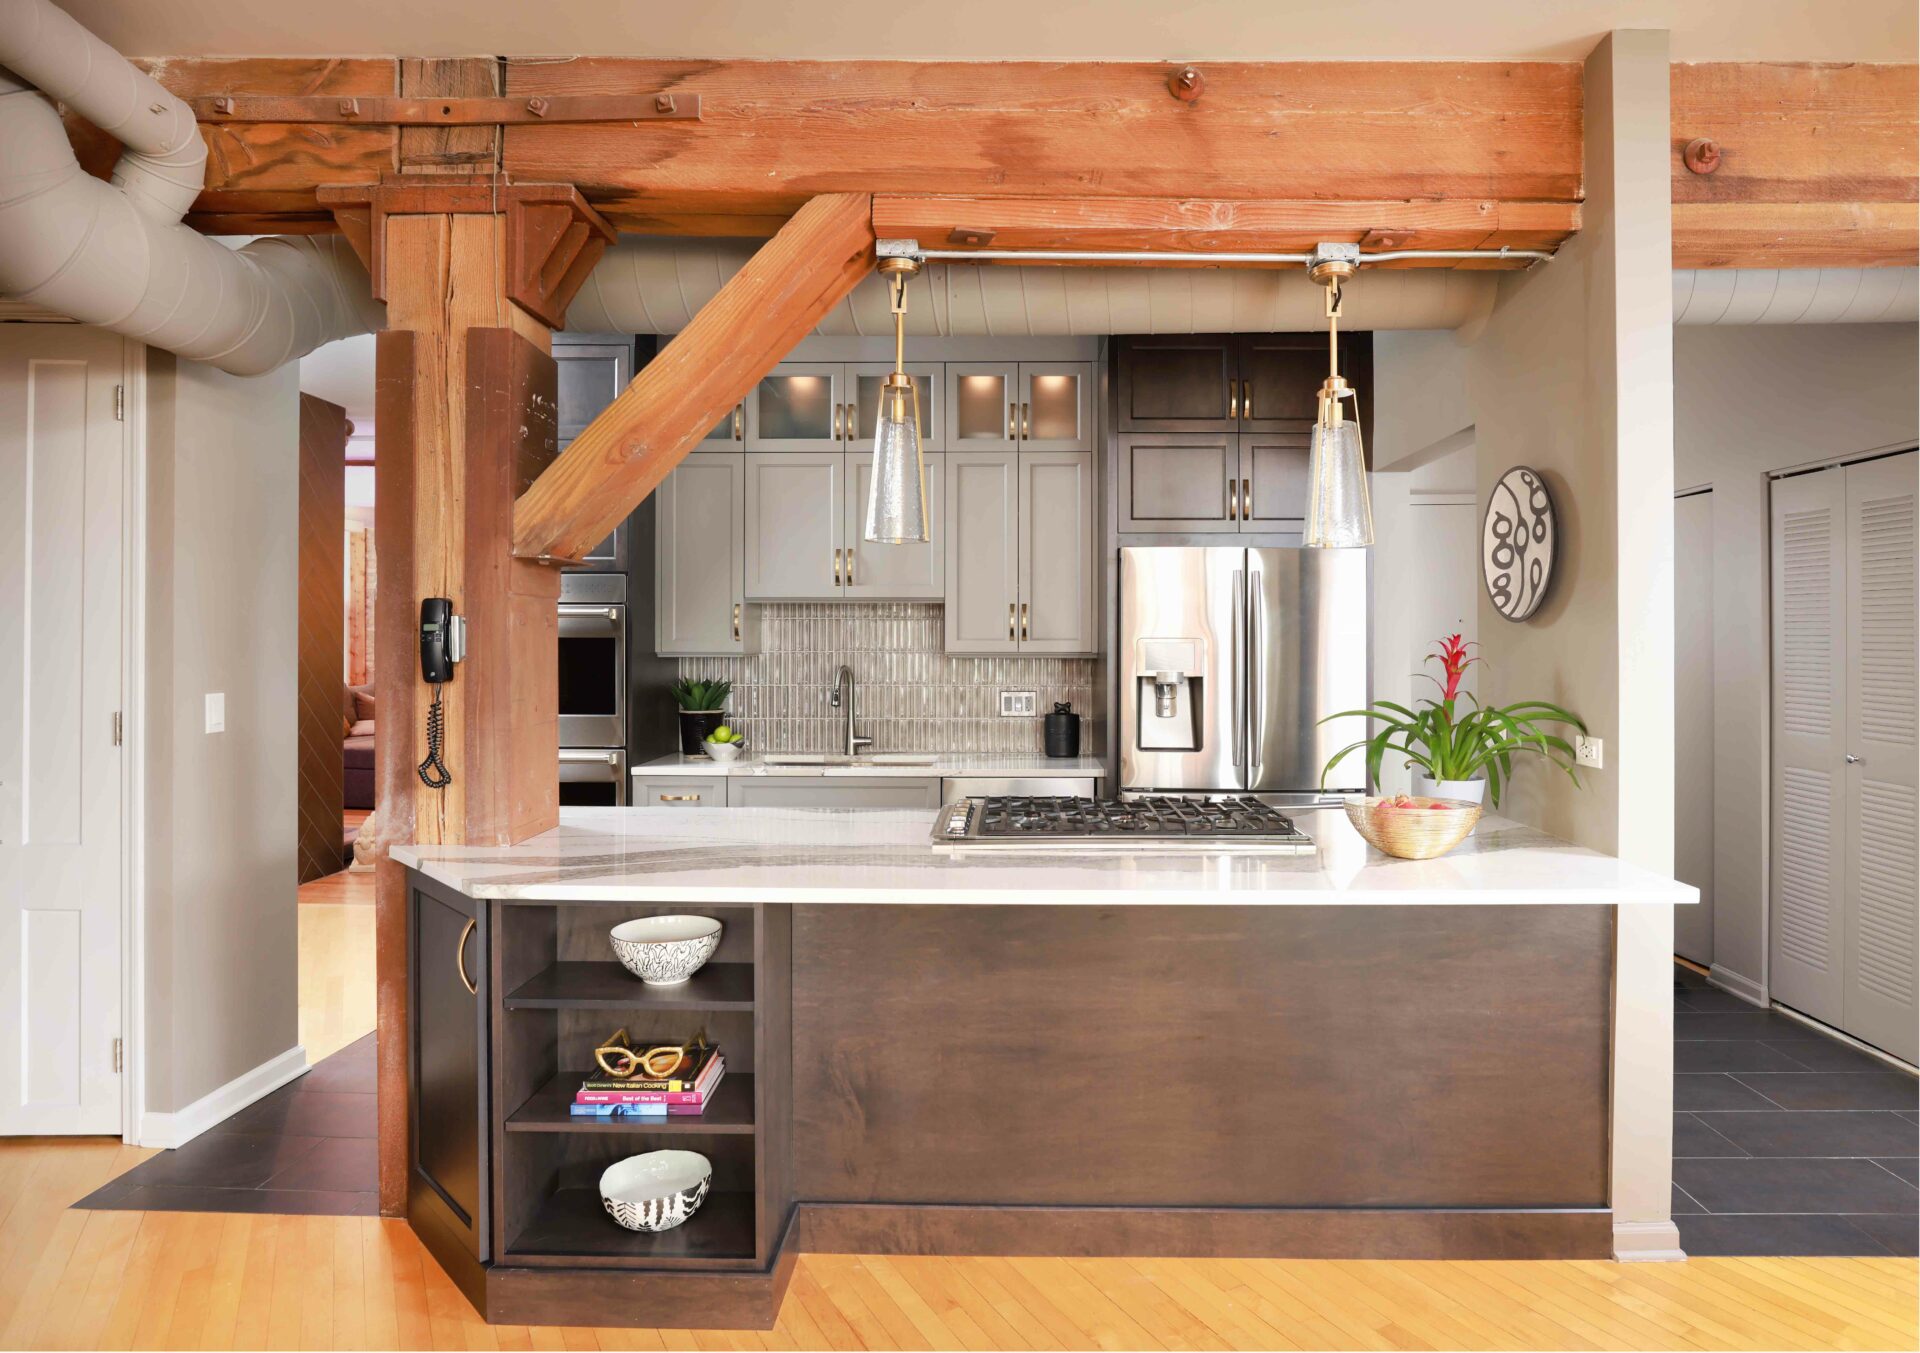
(664,951)
(657,1190)
(724,751)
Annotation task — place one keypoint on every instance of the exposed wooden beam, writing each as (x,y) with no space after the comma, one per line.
(750,324)
(1817,165)
(773,133)
(1186,223)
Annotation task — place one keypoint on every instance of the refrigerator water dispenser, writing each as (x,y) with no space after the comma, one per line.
(1168,699)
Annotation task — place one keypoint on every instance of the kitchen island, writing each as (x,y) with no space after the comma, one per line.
(1212,1053)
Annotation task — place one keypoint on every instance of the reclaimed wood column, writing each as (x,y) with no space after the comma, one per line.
(446,479)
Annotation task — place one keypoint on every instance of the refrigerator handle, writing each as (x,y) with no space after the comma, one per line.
(1239,664)
(1256,662)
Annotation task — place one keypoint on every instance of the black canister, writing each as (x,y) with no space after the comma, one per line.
(1063,731)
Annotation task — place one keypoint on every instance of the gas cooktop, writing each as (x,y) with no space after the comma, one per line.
(1153,822)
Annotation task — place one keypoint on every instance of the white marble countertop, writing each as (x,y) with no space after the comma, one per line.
(824,855)
(943,766)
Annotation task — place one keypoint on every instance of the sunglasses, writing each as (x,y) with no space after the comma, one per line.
(621,1060)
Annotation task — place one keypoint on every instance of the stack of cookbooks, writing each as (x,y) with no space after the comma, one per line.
(687,1091)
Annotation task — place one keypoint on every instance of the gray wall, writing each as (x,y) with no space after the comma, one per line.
(222,931)
(1752,400)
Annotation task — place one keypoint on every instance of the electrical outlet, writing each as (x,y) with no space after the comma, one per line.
(1019,704)
(1587,751)
(216,711)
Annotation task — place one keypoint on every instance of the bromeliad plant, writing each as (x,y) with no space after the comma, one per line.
(701,696)
(1451,745)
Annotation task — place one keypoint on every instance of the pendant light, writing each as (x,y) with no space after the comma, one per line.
(1339,513)
(897,500)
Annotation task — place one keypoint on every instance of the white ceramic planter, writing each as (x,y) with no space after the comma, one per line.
(1473,791)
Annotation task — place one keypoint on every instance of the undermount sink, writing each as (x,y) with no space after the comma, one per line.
(833,759)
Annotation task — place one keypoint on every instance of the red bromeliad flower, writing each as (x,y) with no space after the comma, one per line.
(1453,657)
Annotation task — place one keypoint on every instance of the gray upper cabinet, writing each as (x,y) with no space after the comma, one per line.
(795,526)
(1273,481)
(863,384)
(730,433)
(591,372)
(699,587)
(983,406)
(1019,552)
(982,552)
(1056,406)
(874,572)
(1179,481)
(1177,383)
(1056,553)
(798,406)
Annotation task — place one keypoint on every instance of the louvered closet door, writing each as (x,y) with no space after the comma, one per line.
(1882,785)
(1809,659)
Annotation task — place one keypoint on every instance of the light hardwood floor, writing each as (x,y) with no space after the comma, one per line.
(336,962)
(178,1280)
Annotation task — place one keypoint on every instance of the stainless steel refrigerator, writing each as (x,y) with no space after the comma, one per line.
(1228,660)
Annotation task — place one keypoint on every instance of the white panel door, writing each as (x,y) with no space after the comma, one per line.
(61,463)
(1882,764)
(1806,920)
(1693,722)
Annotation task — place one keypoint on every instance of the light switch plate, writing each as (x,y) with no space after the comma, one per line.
(1018,704)
(216,711)
(1587,751)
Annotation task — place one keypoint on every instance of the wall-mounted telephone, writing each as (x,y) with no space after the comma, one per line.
(443,642)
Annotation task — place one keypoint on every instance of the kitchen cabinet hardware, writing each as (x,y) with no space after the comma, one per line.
(736,620)
(1026,421)
(839,422)
(679,798)
(1853,760)
(849,566)
(739,421)
(1023,620)
(853,422)
(460,957)
(1233,511)
(1246,500)
(1013,420)
(1233,399)
(1246,399)
(836,568)
(1010,629)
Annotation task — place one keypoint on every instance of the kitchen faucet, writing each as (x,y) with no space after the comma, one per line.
(843,681)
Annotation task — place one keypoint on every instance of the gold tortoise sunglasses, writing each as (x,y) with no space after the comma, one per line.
(621,1060)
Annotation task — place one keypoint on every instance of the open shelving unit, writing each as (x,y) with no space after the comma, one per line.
(560,997)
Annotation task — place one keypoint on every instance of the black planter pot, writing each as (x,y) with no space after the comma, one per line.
(695,724)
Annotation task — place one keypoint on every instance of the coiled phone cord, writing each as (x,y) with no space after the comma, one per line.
(433,771)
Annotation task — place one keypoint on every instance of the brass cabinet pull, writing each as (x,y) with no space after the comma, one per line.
(1023,621)
(1013,420)
(849,566)
(1233,501)
(679,798)
(1010,631)
(1246,500)
(836,568)
(1246,399)
(460,957)
(1233,399)
(739,421)
(853,422)
(736,622)
(1026,422)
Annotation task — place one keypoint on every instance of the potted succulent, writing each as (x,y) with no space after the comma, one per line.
(703,708)
(1450,750)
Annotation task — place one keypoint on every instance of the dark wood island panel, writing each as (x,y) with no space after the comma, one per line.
(1414,1080)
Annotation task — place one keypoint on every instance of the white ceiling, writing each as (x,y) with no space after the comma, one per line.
(342,373)
(1007,30)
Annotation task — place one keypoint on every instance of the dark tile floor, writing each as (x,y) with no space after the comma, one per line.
(306,1148)
(1786,1141)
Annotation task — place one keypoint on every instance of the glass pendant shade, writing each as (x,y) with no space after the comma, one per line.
(1339,512)
(897,499)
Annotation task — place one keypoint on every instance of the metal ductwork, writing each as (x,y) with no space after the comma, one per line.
(1796,296)
(116,254)
(655,286)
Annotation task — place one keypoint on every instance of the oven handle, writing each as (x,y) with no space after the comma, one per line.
(577,755)
(585,622)
(605,612)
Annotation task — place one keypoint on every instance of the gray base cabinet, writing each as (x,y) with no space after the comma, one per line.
(679,791)
(835,791)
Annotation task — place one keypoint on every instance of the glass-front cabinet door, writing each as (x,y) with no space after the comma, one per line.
(1056,406)
(983,406)
(730,433)
(799,406)
(864,382)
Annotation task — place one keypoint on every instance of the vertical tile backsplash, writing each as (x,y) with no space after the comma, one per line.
(913,696)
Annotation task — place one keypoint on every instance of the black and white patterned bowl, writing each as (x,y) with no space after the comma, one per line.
(664,951)
(657,1190)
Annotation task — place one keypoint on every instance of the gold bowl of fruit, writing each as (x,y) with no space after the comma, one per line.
(1412,826)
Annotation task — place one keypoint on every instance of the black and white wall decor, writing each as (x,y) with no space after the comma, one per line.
(1517,539)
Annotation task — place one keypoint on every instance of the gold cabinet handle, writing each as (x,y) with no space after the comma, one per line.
(1233,500)
(1013,420)
(679,798)
(736,622)
(849,566)
(836,568)
(853,422)
(739,421)
(1010,629)
(1246,500)
(1026,422)
(460,957)
(1246,399)
(1023,621)
(1233,399)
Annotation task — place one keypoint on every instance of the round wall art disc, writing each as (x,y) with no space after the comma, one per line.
(1517,540)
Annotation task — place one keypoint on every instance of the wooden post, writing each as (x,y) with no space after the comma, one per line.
(447,470)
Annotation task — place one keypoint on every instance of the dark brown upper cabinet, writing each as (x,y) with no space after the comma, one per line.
(1261,383)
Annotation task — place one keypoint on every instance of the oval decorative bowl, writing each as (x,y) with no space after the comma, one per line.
(664,951)
(1412,827)
(656,1190)
(724,752)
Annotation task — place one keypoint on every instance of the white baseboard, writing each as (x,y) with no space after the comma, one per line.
(1644,1242)
(1733,983)
(177,1129)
